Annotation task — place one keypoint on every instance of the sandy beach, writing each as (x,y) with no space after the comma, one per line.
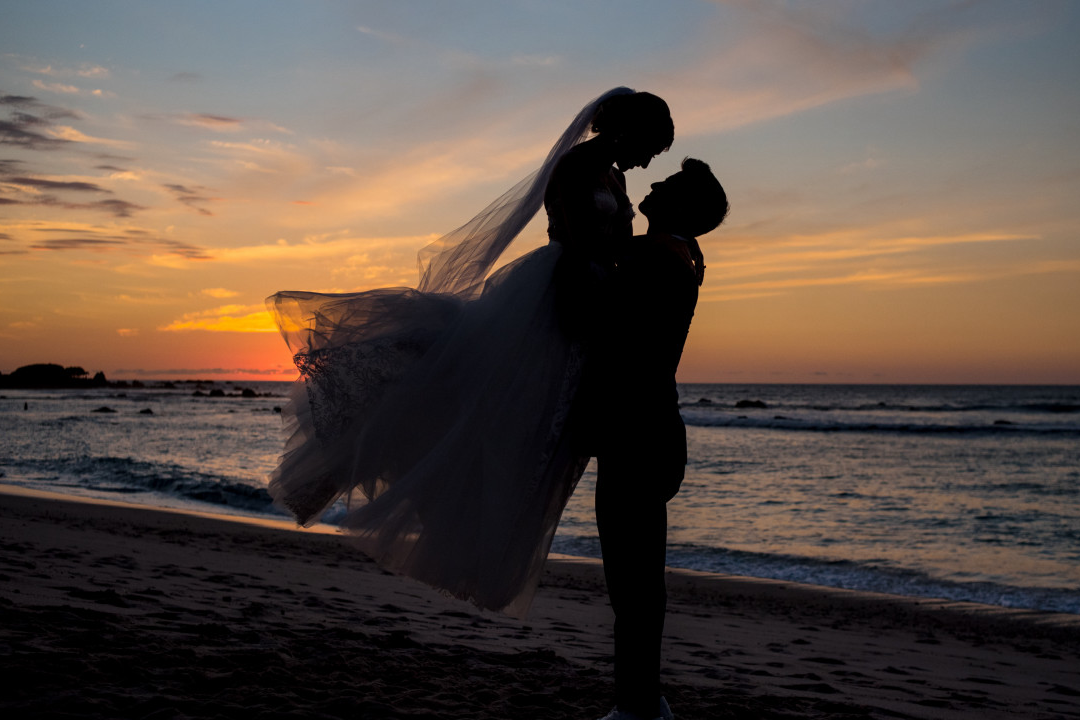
(113,610)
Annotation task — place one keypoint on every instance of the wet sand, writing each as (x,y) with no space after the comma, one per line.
(112,610)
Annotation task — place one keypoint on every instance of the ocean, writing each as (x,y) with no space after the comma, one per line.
(968,493)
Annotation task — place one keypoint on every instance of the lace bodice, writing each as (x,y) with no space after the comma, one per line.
(587,207)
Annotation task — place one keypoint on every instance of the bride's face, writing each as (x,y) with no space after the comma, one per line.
(634,152)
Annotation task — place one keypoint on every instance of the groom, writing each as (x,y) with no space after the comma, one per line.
(640,439)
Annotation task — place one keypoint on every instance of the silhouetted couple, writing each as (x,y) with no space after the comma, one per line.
(460,415)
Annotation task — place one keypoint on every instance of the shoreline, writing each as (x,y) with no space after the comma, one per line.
(698,584)
(695,584)
(112,609)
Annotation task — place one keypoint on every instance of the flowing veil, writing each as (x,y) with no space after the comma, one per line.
(459,261)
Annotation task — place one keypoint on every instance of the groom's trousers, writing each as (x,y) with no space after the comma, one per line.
(631,517)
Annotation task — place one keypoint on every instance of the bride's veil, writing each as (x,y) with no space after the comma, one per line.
(458,262)
(453,268)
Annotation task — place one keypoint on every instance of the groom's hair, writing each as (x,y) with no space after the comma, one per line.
(705,203)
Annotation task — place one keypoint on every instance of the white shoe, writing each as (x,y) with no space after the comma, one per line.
(617,714)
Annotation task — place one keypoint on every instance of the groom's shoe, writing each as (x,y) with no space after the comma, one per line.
(617,714)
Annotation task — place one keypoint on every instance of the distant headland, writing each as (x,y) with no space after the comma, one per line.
(51,375)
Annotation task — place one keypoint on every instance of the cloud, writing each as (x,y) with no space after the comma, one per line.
(219,293)
(29,190)
(219,123)
(92,71)
(317,248)
(212,122)
(383,35)
(132,241)
(228,318)
(50,112)
(190,197)
(86,70)
(62,89)
(30,123)
(82,243)
(792,57)
(127,332)
(45,184)
(57,87)
(748,269)
(115,207)
(258,146)
(70,134)
(181,249)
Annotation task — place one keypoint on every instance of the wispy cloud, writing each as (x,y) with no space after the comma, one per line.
(744,269)
(46,184)
(210,122)
(70,134)
(65,89)
(219,123)
(191,197)
(228,318)
(78,243)
(20,188)
(789,58)
(381,34)
(115,207)
(220,293)
(30,123)
(57,87)
(74,236)
(86,70)
(397,255)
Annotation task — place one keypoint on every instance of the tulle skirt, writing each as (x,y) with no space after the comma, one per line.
(443,422)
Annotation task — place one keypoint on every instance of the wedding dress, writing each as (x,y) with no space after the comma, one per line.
(441,413)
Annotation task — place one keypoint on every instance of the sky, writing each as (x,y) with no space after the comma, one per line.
(903,176)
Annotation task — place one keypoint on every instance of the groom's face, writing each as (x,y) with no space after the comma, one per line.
(664,198)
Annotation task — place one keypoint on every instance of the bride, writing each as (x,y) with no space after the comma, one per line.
(445,414)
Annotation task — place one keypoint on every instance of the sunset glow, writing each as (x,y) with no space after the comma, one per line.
(903,176)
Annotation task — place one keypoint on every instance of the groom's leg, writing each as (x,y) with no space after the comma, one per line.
(631,518)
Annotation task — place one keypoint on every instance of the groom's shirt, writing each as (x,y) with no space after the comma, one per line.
(649,304)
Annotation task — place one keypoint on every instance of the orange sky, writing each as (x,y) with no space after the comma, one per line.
(903,177)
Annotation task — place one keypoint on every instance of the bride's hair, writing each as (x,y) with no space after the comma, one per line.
(639,115)
(704,202)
